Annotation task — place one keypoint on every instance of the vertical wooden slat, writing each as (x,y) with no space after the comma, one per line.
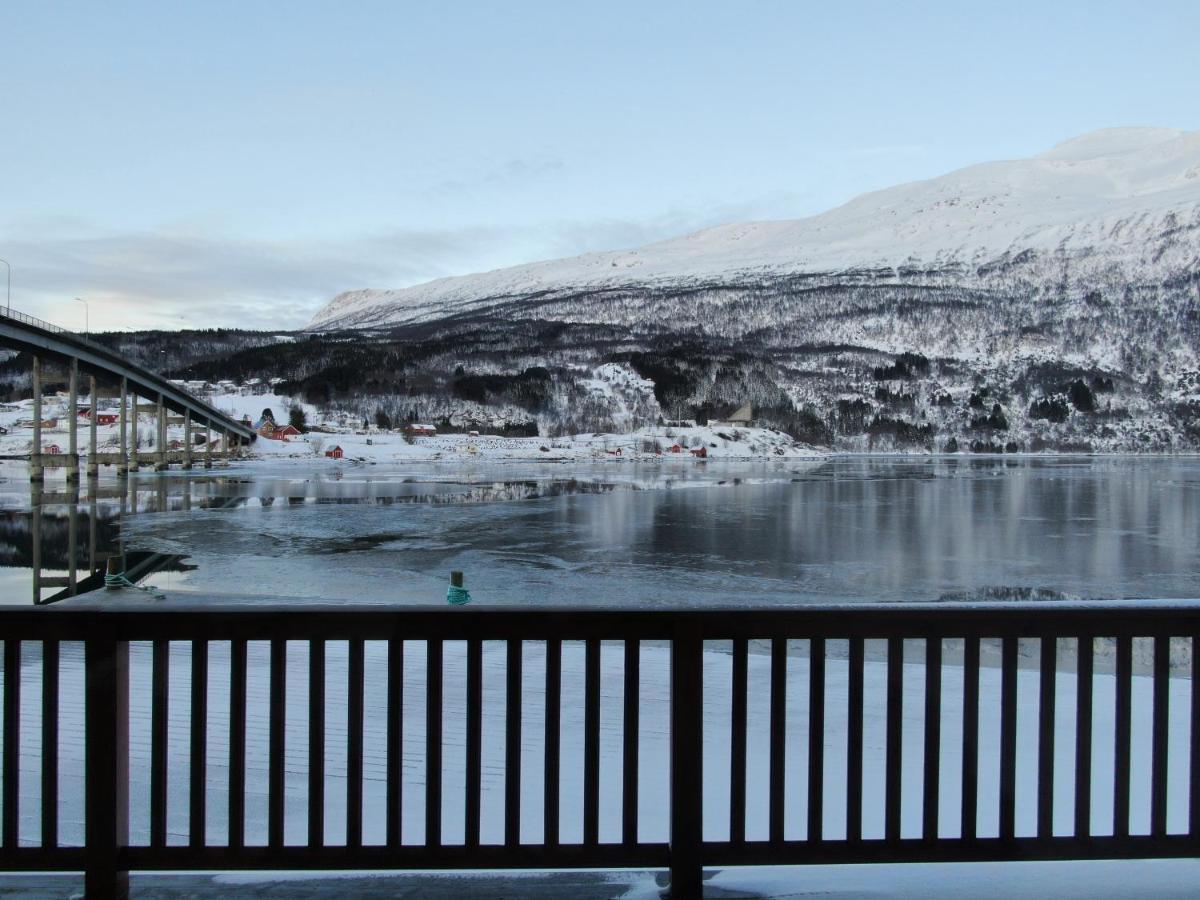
(1048,680)
(1158,763)
(395,739)
(893,755)
(474,739)
(106,766)
(433,743)
(512,745)
(933,738)
(1008,737)
(1122,736)
(629,755)
(1083,737)
(553,740)
(316,743)
(970,738)
(10,781)
(591,741)
(50,679)
(197,790)
(354,743)
(237,742)
(687,761)
(159,711)
(275,766)
(776,774)
(816,738)
(737,739)
(854,739)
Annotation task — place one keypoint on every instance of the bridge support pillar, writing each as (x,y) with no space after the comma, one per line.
(134,462)
(93,466)
(73,423)
(225,445)
(207,445)
(160,457)
(123,440)
(35,452)
(187,439)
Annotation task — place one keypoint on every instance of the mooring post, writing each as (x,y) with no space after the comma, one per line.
(106,761)
(687,762)
(123,450)
(93,465)
(35,453)
(73,422)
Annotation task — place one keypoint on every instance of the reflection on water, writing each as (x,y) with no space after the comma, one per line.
(847,529)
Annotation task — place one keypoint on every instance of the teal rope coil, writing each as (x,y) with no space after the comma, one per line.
(120,581)
(457,596)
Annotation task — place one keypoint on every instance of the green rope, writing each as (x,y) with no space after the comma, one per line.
(120,581)
(457,596)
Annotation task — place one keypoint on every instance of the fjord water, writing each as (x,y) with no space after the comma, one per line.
(845,529)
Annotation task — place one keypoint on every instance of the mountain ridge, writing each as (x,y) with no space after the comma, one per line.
(1107,200)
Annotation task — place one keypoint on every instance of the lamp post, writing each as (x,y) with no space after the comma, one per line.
(8,293)
(86,316)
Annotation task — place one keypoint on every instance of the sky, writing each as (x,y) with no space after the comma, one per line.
(238,164)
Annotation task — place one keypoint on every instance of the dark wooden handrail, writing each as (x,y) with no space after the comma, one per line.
(107,855)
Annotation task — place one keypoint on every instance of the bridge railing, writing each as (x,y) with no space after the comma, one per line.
(295,737)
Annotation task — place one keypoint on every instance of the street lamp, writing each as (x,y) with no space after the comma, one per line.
(8,295)
(86,316)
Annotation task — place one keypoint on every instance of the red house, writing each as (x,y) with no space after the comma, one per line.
(335,453)
(287,430)
(106,418)
(52,449)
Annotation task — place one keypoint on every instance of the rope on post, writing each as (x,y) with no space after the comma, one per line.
(456,594)
(114,579)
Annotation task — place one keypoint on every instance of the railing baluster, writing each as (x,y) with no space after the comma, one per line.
(1008,737)
(591,742)
(354,744)
(629,757)
(893,756)
(197,791)
(1047,683)
(1123,733)
(512,745)
(970,738)
(316,743)
(778,727)
(553,742)
(737,738)
(854,739)
(160,667)
(687,760)
(433,743)
(474,739)
(237,742)
(50,679)
(275,766)
(816,738)
(1083,736)
(106,765)
(933,738)
(1158,764)
(11,780)
(395,740)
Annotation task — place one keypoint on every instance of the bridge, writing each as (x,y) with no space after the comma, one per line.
(80,356)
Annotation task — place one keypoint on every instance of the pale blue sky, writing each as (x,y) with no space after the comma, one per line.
(238,163)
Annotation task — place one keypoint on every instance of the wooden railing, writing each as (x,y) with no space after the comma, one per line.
(860,661)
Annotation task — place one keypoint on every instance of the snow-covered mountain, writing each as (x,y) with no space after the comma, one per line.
(1113,207)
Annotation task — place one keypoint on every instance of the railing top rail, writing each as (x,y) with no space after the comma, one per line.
(298,621)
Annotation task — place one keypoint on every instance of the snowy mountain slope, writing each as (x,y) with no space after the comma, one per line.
(1114,206)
